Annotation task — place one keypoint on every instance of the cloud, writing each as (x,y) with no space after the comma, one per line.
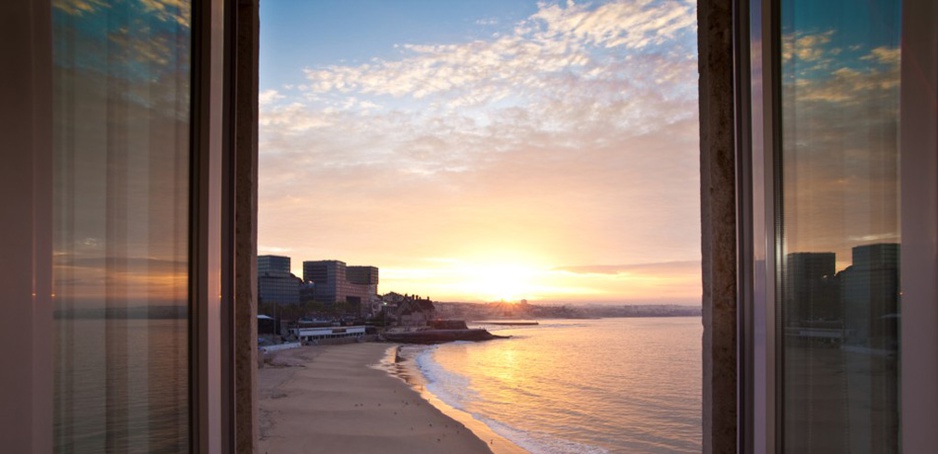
(884,55)
(686,266)
(91,280)
(634,25)
(293,118)
(840,144)
(549,89)
(128,262)
(268,97)
(548,52)
(145,44)
(807,47)
(79,7)
(178,11)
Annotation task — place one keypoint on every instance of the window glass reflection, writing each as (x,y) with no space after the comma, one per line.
(839,227)
(121,170)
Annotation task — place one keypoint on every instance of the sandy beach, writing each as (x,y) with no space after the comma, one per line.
(328,399)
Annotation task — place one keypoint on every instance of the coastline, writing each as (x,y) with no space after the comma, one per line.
(406,369)
(330,399)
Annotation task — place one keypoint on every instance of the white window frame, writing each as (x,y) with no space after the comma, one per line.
(918,136)
(26,327)
(758,423)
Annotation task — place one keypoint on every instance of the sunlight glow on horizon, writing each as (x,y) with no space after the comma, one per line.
(547,152)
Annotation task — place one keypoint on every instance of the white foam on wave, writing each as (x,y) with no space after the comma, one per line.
(451,388)
(538,442)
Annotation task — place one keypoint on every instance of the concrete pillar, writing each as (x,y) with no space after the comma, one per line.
(245,237)
(718,224)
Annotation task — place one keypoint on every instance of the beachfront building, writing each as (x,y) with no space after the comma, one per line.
(412,311)
(267,325)
(317,333)
(275,282)
(333,281)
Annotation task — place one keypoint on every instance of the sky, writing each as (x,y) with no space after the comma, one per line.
(473,151)
(485,150)
(121,151)
(840,104)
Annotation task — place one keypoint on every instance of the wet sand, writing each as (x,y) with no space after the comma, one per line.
(327,399)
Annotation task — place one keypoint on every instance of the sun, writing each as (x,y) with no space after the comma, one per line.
(499,282)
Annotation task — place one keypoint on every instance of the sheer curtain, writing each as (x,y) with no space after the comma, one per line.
(838,230)
(121,225)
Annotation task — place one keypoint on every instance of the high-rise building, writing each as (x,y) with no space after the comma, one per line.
(333,281)
(326,276)
(870,289)
(363,277)
(810,288)
(273,264)
(275,282)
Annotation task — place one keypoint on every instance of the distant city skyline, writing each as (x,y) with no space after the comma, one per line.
(478,151)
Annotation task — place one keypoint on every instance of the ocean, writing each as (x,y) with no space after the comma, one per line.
(121,386)
(618,385)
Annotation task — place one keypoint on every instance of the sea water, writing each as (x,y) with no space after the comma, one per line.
(121,386)
(620,385)
(627,385)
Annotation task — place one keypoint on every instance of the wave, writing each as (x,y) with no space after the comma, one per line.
(451,388)
(539,442)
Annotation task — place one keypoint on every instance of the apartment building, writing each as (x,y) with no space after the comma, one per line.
(275,282)
(334,281)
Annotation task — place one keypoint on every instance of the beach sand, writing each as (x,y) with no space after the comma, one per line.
(327,399)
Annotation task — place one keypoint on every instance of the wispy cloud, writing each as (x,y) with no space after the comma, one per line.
(635,25)
(549,52)
(840,142)
(686,266)
(79,7)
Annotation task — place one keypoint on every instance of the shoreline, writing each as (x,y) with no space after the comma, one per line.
(406,370)
(332,399)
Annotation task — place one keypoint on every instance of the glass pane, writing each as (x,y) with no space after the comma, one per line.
(839,227)
(121,170)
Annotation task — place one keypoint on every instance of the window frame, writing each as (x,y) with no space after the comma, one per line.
(26,226)
(211,334)
(918,134)
(757,80)
(26,390)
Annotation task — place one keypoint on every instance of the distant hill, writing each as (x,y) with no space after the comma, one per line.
(524,310)
(126,313)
